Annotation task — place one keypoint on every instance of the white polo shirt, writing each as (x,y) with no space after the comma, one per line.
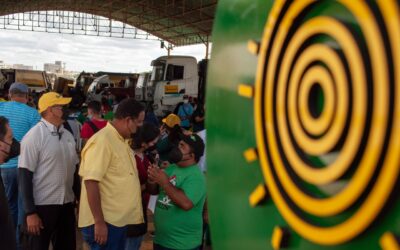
(52,159)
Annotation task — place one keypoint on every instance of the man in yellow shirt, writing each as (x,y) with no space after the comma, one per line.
(111,194)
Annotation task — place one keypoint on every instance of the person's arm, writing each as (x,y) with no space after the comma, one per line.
(96,158)
(152,188)
(199,118)
(100,226)
(27,163)
(175,194)
(76,186)
(25,186)
(33,221)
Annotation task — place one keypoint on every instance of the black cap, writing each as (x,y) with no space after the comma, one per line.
(196,143)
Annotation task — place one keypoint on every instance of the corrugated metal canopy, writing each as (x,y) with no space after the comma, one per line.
(179,22)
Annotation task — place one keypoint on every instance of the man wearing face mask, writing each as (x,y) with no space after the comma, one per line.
(7,229)
(185,112)
(21,119)
(94,123)
(47,176)
(178,216)
(111,192)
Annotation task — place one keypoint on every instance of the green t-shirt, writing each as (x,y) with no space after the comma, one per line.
(175,227)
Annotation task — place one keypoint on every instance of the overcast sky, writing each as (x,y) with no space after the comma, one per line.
(87,53)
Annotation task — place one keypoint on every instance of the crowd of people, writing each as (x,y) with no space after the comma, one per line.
(100,175)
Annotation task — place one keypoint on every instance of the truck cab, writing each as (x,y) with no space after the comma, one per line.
(172,77)
(96,88)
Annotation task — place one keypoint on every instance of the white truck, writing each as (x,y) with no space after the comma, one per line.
(142,88)
(173,77)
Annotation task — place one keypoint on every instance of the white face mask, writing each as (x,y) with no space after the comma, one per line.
(185,101)
(90,117)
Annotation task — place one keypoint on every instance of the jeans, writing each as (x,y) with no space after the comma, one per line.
(115,239)
(10,181)
(133,243)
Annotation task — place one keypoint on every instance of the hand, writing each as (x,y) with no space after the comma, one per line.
(187,132)
(162,129)
(157,175)
(34,224)
(100,233)
(149,180)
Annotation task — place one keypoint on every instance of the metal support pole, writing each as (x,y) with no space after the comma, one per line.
(207,47)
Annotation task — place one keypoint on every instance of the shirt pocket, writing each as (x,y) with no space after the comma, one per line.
(122,164)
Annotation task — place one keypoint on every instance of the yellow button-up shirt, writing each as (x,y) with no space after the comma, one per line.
(108,159)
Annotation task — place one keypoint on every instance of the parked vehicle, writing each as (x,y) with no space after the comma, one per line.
(97,88)
(36,80)
(173,77)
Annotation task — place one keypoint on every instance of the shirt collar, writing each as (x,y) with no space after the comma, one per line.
(51,127)
(115,132)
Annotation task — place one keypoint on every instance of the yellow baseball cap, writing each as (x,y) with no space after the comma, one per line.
(171,120)
(51,99)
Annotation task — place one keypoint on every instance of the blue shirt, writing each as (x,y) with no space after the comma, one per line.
(185,112)
(21,118)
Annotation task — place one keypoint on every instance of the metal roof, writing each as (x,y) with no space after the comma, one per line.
(179,22)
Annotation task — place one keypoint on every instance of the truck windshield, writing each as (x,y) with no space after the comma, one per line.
(158,71)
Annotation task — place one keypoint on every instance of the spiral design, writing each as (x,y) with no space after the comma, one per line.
(327,113)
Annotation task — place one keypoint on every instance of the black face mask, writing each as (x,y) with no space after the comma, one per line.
(65,114)
(175,155)
(14,150)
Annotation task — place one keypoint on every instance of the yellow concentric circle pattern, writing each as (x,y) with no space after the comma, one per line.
(358,71)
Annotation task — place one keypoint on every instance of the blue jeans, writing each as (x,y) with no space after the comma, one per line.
(115,239)
(10,181)
(133,243)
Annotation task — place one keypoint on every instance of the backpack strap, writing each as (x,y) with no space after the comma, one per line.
(93,126)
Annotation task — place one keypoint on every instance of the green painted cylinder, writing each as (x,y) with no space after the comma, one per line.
(303,120)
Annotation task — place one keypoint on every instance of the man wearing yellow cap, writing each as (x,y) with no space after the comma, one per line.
(46,170)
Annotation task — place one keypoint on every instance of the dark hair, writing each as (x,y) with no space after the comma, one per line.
(147,133)
(128,108)
(174,135)
(95,106)
(3,127)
